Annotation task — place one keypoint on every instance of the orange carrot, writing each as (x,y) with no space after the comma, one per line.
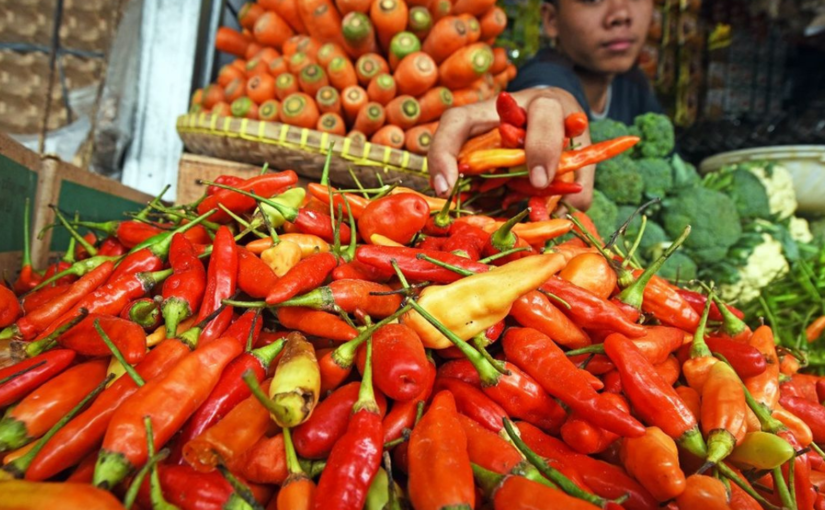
(418,139)
(419,3)
(342,73)
(272,30)
(353,98)
(403,111)
(434,103)
(278,66)
(212,94)
(299,109)
(321,19)
(256,66)
(493,24)
(389,135)
(347,6)
(328,100)
(312,78)
(285,84)
(298,61)
(327,52)
(370,119)
(231,41)
(303,43)
(402,44)
(474,7)
(249,14)
(287,9)
(197,98)
(501,79)
(252,49)
(369,66)
(227,74)
(447,36)
(221,108)
(389,18)
(245,108)
(260,87)
(467,96)
(234,89)
(511,71)
(416,74)
(500,60)
(382,89)
(331,123)
(267,55)
(240,64)
(270,110)
(357,137)
(359,35)
(420,21)
(465,66)
(473,27)
(440,9)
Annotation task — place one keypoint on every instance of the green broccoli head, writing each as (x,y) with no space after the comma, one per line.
(603,213)
(656,175)
(745,188)
(678,267)
(657,135)
(619,180)
(684,174)
(654,234)
(606,129)
(713,218)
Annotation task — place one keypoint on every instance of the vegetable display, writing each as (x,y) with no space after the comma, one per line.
(384,71)
(380,348)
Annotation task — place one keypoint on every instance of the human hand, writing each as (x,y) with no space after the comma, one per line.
(546,110)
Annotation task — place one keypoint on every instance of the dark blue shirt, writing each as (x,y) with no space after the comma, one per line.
(630,93)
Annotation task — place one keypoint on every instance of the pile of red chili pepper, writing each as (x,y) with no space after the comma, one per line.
(277,347)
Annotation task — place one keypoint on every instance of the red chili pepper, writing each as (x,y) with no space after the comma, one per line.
(315,438)
(351,296)
(356,456)
(183,291)
(265,185)
(540,357)
(401,368)
(229,391)
(538,209)
(586,308)
(473,403)
(509,110)
(169,402)
(248,324)
(357,203)
(653,399)
(40,319)
(34,300)
(188,489)
(697,302)
(489,450)
(316,223)
(575,124)
(812,413)
(399,217)
(130,233)
(23,377)
(127,336)
(440,475)
(221,281)
(10,309)
(586,437)
(744,358)
(111,247)
(228,180)
(514,491)
(522,185)
(308,274)
(518,393)
(315,322)
(463,245)
(28,277)
(255,277)
(403,414)
(83,434)
(355,270)
(535,310)
(512,137)
(414,268)
(145,312)
(40,410)
(802,386)
(265,462)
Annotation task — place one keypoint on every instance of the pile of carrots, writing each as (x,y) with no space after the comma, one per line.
(382,70)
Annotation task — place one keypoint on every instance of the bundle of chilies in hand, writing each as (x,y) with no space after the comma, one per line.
(322,348)
(496,160)
(382,71)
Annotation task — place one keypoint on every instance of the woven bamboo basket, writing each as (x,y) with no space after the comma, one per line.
(300,149)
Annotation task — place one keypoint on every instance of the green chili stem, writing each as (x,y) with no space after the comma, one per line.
(445,265)
(119,355)
(134,487)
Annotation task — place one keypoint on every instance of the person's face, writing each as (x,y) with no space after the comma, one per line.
(603,36)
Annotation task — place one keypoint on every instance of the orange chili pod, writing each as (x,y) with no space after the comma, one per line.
(723,411)
(703,493)
(765,386)
(592,272)
(653,460)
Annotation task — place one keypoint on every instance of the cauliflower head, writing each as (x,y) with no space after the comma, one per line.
(778,182)
(764,265)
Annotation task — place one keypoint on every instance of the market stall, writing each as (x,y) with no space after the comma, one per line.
(306,326)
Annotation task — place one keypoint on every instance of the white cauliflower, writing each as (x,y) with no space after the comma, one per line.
(800,230)
(778,183)
(765,264)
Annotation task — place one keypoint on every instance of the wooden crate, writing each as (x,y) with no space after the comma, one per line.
(47,181)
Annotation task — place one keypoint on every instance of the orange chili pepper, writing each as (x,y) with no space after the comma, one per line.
(668,370)
(489,140)
(592,272)
(801,431)
(357,203)
(703,493)
(815,329)
(765,386)
(535,232)
(723,411)
(535,310)
(66,496)
(653,460)
(692,400)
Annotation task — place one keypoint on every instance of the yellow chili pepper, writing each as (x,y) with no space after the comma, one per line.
(296,386)
(282,257)
(310,244)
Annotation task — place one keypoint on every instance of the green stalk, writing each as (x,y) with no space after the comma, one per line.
(79,268)
(732,476)
(118,355)
(21,372)
(442,218)
(502,254)
(155,493)
(74,233)
(782,489)
(700,349)
(27,253)
(32,349)
(366,394)
(458,270)
(153,204)
(290,213)
(504,238)
(241,489)
(137,481)
(69,256)
(344,354)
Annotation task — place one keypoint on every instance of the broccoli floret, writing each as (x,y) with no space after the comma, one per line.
(746,190)
(619,180)
(657,135)
(714,222)
(606,129)
(603,213)
(654,234)
(678,267)
(656,175)
(684,174)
